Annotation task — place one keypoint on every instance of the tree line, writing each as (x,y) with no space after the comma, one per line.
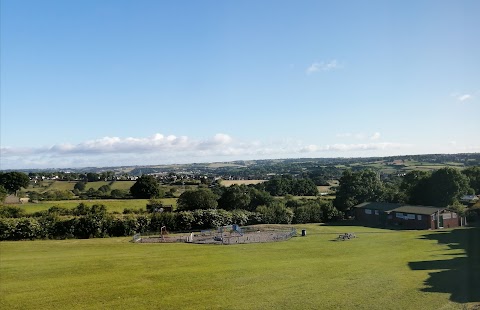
(441,188)
(95,222)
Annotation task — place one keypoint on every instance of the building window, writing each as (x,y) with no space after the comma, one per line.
(454,215)
(410,216)
(419,217)
(368,211)
(399,215)
(376,212)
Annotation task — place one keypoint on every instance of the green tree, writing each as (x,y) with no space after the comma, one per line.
(279,185)
(80,186)
(197,199)
(146,187)
(13,181)
(473,175)
(415,187)
(235,197)
(119,193)
(276,213)
(446,186)
(92,177)
(104,189)
(258,198)
(357,187)
(3,193)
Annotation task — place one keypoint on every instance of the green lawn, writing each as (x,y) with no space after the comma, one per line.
(113,205)
(381,269)
(125,185)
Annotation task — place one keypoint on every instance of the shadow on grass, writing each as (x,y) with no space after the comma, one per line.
(363,224)
(343,223)
(459,276)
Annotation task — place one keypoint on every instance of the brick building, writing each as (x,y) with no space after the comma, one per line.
(384,214)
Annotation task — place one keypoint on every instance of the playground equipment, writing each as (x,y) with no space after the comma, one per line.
(163,232)
(232,234)
(237,229)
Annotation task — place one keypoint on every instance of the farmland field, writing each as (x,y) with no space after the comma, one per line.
(113,205)
(239,182)
(69,185)
(381,269)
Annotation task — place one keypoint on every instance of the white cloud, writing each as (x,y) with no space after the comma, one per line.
(339,148)
(375,136)
(366,146)
(323,66)
(161,149)
(222,138)
(309,148)
(351,135)
(359,135)
(464,97)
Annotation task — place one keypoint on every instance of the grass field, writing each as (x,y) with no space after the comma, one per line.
(400,166)
(227,183)
(113,205)
(381,269)
(69,185)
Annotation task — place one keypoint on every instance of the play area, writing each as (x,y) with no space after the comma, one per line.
(231,234)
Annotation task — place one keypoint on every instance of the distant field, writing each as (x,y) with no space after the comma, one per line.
(326,189)
(398,166)
(69,185)
(220,165)
(381,269)
(113,205)
(238,182)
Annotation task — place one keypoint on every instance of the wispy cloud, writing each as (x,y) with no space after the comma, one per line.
(359,135)
(323,66)
(119,151)
(164,149)
(464,97)
(341,147)
(105,145)
(375,136)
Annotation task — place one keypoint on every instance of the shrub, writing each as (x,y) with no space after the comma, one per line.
(11,212)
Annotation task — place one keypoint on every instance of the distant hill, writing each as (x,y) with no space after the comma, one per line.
(331,168)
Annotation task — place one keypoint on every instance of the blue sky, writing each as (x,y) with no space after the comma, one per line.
(106,83)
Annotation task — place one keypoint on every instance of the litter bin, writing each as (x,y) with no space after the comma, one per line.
(304,232)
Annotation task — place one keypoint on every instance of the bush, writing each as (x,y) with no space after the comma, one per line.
(120,227)
(276,213)
(185,220)
(119,193)
(11,212)
(167,219)
(19,229)
(315,211)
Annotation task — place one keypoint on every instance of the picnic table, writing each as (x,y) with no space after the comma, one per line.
(346,236)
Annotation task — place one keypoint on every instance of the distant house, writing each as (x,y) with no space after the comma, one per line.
(160,208)
(469,199)
(384,214)
(24,200)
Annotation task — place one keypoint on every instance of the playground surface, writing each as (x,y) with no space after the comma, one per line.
(232,234)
